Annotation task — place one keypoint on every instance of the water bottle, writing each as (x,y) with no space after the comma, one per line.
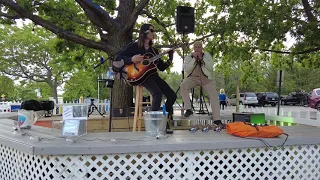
(194,129)
(107,105)
(110,74)
(164,110)
(110,78)
(206,129)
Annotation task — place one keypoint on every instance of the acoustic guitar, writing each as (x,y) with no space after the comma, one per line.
(137,73)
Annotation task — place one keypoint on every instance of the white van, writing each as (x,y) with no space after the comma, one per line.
(246,98)
(5,107)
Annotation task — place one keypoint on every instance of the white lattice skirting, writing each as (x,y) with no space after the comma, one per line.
(291,162)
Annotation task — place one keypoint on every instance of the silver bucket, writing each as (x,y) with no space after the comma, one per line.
(155,123)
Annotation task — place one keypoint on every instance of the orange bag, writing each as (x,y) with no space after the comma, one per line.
(244,130)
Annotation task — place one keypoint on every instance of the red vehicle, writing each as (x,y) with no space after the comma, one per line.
(314,99)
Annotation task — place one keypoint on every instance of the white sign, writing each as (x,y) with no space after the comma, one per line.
(75,112)
(70,128)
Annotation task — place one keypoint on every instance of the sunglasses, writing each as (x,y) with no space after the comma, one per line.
(150,30)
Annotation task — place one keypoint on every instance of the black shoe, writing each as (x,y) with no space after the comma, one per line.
(219,124)
(188,113)
(168,130)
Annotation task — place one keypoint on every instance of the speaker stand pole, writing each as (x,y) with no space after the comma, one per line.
(182,72)
(110,110)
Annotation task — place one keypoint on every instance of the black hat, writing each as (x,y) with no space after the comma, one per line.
(144,28)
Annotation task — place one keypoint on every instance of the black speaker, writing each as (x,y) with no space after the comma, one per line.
(185,19)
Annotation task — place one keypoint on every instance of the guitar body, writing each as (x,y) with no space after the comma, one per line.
(137,73)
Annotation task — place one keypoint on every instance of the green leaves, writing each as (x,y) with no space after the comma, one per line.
(7,87)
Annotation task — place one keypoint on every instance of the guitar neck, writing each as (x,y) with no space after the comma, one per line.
(162,54)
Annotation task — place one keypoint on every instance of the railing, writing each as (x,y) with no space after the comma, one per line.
(103,106)
(287,116)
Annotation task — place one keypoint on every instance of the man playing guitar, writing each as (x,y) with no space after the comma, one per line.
(146,74)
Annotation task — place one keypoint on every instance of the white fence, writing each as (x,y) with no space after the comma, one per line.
(102,106)
(5,107)
(298,115)
(288,115)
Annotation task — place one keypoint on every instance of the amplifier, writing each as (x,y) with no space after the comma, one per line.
(253,118)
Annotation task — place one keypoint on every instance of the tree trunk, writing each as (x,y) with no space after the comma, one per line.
(122,94)
(55,93)
(54,86)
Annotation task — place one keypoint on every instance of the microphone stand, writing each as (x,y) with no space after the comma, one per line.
(201,110)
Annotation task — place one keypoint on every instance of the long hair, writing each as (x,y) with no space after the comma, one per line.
(143,34)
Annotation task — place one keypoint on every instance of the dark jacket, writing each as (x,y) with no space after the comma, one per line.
(133,49)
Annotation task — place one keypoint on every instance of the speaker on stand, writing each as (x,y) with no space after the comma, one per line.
(185,20)
(184,25)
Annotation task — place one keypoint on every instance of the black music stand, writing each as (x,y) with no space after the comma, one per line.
(93,107)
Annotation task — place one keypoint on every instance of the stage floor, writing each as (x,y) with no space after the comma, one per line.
(97,123)
(131,142)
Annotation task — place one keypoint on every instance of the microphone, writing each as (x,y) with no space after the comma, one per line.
(101,62)
(199,61)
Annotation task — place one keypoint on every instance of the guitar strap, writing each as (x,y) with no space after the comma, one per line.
(118,68)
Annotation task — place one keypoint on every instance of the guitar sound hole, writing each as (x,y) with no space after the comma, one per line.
(145,62)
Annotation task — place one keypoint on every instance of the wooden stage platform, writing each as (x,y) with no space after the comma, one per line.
(38,154)
(97,123)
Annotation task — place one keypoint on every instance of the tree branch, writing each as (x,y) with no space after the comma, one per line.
(97,15)
(10,16)
(291,52)
(23,72)
(166,33)
(69,84)
(139,8)
(199,39)
(136,11)
(307,10)
(57,30)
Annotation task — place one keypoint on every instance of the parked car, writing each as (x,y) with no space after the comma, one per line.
(267,98)
(246,98)
(295,98)
(314,99)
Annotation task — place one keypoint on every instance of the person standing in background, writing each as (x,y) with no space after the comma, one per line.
(222,99)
